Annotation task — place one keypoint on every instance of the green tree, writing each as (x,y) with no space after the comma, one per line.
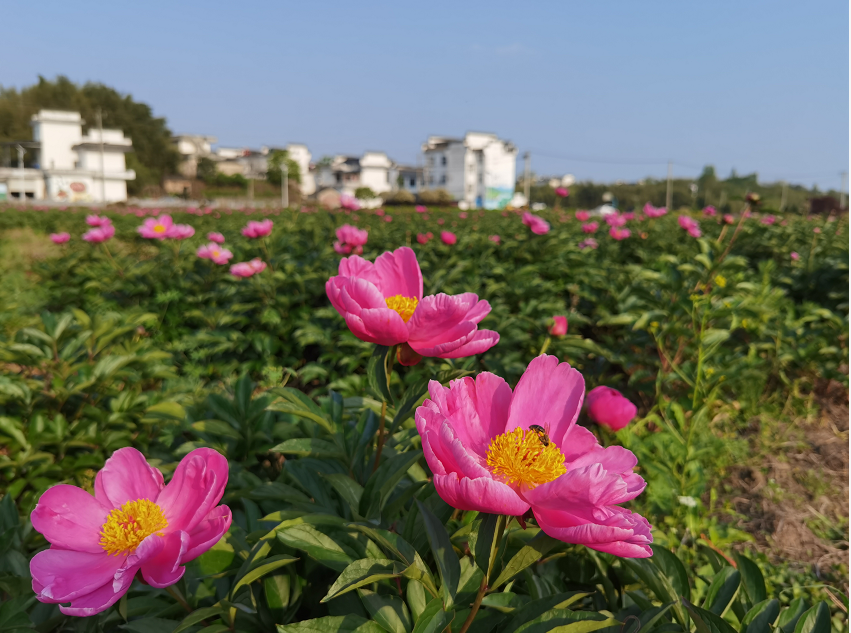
(364,193)
(153,155)
(273,168)
(206,169)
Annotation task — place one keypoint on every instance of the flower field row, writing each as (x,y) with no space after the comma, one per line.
(431,419)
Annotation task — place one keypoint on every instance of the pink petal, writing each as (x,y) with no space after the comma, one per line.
(60,575)
(166,568)
(587,487)
(70,518)
(550,395)
(356,266)
(368,316)
(127,476)
(100,599)
(440,324)
(197,486)
(481,342)
(612,530)
(577,442)
(483,495)
(400,273)
(207,533)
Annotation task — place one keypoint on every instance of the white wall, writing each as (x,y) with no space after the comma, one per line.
(57,132)
(301,155)
(375,171)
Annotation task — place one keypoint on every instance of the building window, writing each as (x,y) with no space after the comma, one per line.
(481,178)
(387,176)
(339,178)
(430,161)
(443,160)
(443,179)
(414,182)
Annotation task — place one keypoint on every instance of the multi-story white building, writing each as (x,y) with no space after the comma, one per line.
(192,148)
(479,169)
(347,173)
(67,165)
(301,155)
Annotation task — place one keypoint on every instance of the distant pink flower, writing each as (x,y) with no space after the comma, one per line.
(817,229)
(388,218)
(608,407)
(589,242)
(349,203)
(247,269)
(60,238)
(258,229)
(768,220)
(463,215)
(440,221)
(383,303)
(475,431)
(97,220)
(690,225)
(133,523)
(350,239)
(537,224)
(156,228)
(654,212)
(618,233)
(215,253)
(590,227)
(728,218)
(380,212)
(420,208)
(448,237)
(218,238)
(99,234)
(423,238)
(628,216)
(582,216)
(709,211)
(794,256)
(562,192)
(180,232)
(495,239)
(615,219)
(559,326)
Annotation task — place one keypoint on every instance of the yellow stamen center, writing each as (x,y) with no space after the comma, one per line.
(519,458)
(216,253)
(159,228)
(404,306)
(131,524)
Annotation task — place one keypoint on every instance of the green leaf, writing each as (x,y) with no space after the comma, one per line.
(659,584)
(363,572)
(267,566)
(309,447)
(216,427)
(164,411)
(670,565)
(381,483)
(317,545)
(444,554)
(390,612)
(713,336)
(350,490)
(484,540)
(815,620)
(216,559)
(761,617)
(332,624)
(706,621)
(277,590)
(790,615)
(434,618)
(199,614)
(528,555)
(752,580)
(376,372)
(567,621)
(537,608)
(295,402)
(722,591)
(150,625)
(648,619)
(413,396)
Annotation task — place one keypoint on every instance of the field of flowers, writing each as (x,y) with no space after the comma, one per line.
(415,420)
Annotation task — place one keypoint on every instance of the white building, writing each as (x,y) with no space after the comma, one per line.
(479,169)
(347,173)
(67,165)
(192,148)
(301,155)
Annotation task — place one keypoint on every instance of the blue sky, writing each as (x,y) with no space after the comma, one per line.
(603,90)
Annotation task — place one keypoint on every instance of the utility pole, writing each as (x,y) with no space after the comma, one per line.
(842,183)
(783,196)
(102,169)
(669,196)
(527,178)
(285,183)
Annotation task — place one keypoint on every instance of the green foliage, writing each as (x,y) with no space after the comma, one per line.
(273,170)
(364,193)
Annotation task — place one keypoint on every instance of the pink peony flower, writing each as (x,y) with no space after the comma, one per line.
(794,256)
(628,216)
(258,229)
(484,455)
(388,218)
(538,225)
(768,220)
(218,238)
(618,233)
(420,208)
(690,225)
(248,269)
(589,242)
(562,192)
(582,216)
(180,232)
(132,523)
(559,326)
(709,211)
(817,229)
(423,238)
(97,220)
(463,215)
(654,212)
(728,218)
(349,203)
(380,212)
(215,253)
(448,237)
(495,239)
(615,219)
(383,303)
(60,238)
(591,227)
(99,234)
(350,239)
(156,228)
(608,407)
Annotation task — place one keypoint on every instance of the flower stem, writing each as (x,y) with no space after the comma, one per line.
(111,259)
(266,253)
(476,604)
(380,435)
(176,595)
(545,346)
